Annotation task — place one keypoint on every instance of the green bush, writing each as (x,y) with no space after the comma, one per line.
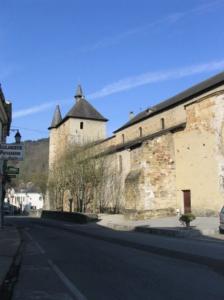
(187,218)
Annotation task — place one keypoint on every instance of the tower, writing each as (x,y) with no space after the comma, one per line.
(85,123)
(82,124)
(53,139)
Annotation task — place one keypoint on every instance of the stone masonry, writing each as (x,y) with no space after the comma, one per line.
(171,150)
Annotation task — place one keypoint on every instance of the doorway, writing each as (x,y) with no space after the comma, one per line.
(187,201)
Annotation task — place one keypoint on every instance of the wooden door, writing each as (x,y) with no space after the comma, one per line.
(187,201)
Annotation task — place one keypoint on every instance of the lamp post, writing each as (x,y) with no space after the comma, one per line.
(3,181)
(18,137)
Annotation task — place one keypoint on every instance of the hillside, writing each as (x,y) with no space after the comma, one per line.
(34,168)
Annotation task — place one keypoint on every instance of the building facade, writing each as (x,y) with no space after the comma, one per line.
(24,201)
(169,157)
(5,122)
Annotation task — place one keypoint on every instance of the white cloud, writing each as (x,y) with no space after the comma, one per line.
(130,83)
(37,108)
(152,77)
(32,110)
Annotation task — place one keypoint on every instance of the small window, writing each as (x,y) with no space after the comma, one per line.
(140,131)
(120,164)
(162,123)
(81,125)
(122,138)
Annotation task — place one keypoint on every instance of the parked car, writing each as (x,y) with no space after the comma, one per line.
(221,217)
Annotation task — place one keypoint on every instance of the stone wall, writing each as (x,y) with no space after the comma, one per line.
(171,117)
(149,179)
(199,156)
(150,184)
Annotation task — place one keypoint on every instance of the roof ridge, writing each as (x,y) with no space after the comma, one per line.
(181,97)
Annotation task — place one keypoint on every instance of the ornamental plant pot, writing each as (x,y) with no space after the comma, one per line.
(186,219)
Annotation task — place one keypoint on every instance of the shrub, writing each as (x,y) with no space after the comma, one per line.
(187,218)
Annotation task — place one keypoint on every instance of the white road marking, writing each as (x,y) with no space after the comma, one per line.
(42,251)
(73,289)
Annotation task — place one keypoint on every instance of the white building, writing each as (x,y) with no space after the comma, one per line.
(25,201)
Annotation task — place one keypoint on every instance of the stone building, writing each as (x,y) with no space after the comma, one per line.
(82,124)
(169,157)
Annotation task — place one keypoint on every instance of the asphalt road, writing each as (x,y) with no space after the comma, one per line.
(59,264)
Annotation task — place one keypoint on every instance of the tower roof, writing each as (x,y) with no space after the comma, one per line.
(84,110)
(79,92)
(56,118)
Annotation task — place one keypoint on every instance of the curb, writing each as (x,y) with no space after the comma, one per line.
(181,233)
(169,232)
(119,227)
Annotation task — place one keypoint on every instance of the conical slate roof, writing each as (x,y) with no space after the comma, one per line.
(56,118)
(84,110)
(79,92)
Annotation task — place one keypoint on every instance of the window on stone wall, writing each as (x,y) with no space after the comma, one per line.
(123,138)
(140,131)
(120,164)
(162,123)
(81,125)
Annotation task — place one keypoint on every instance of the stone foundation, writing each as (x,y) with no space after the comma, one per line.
(147,214)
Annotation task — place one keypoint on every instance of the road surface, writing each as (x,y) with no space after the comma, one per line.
(59,264)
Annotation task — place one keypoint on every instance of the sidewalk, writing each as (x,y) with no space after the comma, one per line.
(9,244)
(170,226)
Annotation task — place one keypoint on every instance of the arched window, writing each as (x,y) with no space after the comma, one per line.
(81,125)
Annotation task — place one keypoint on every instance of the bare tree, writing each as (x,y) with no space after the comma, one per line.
(89,177)
(84,174)
(57,185)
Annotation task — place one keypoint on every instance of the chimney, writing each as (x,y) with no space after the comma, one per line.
(131,115)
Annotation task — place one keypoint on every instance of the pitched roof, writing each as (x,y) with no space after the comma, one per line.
(56,118)
(182,97)
(138,141)
(84,110)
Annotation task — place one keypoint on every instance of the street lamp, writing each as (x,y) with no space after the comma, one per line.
(18,137)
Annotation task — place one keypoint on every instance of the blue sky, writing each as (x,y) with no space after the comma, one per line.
(127,54)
